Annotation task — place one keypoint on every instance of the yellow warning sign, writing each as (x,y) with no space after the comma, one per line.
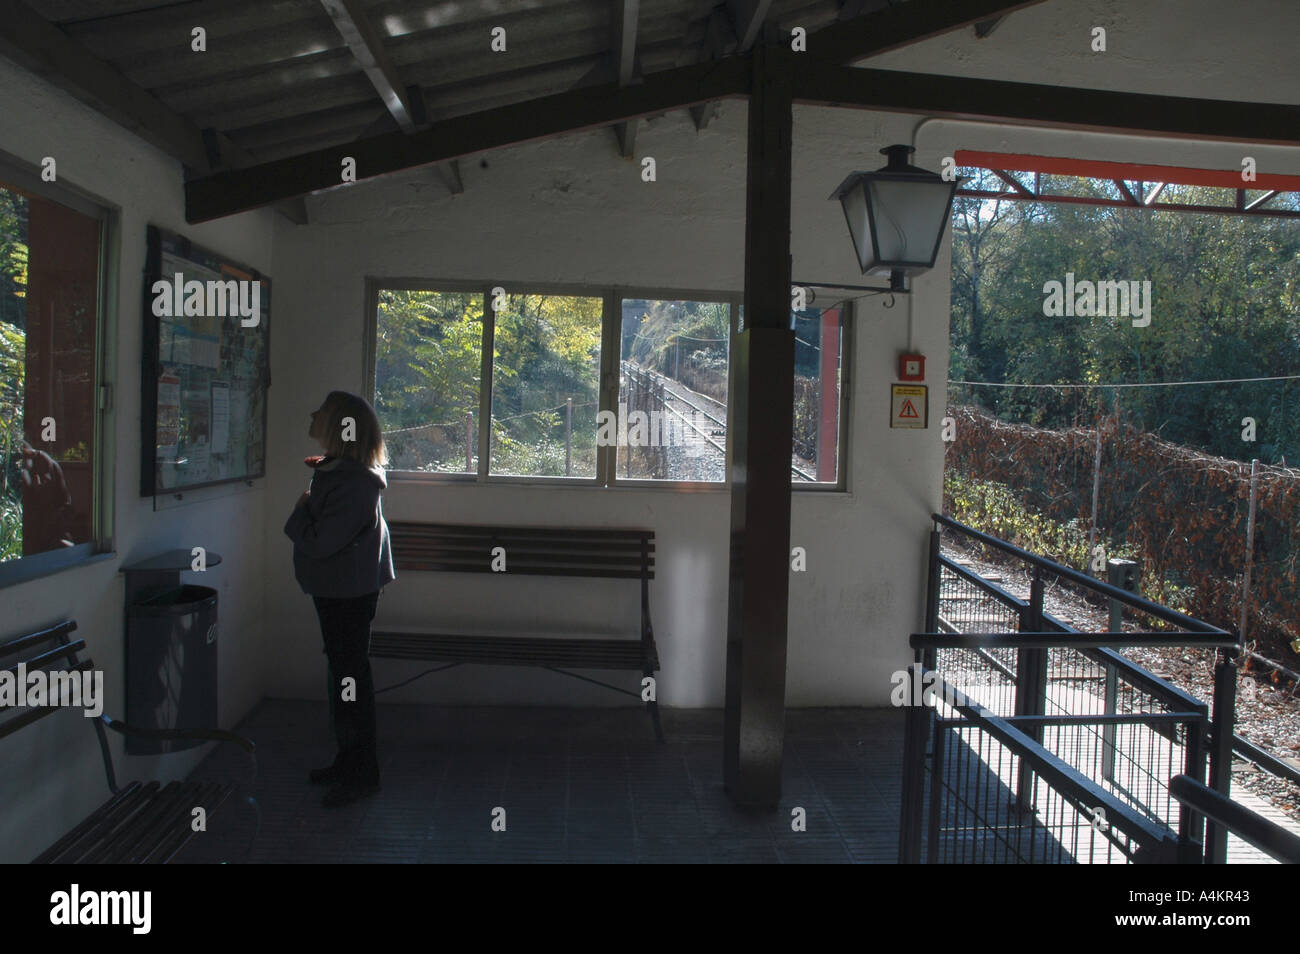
(908,406)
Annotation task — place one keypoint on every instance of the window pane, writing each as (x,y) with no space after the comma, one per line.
(817,376)
(817,394)
(428,354)
(49,295)
(546,386)
(672,414)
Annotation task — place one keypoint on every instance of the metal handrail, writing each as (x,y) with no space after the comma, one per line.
(1050,640)
(1254,829)
(1123,596)
(1059,774)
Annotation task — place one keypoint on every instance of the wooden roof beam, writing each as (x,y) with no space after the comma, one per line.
(1062,107)
(368,50)
(625,65)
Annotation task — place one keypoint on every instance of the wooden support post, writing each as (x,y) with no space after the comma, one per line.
(761,422)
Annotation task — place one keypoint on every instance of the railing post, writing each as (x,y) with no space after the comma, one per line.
(1031,685)
(1191,830)
(936,792)
(932,593)
(1225,720)
(1122,573)
(914,741)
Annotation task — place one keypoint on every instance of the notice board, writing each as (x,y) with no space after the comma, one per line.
(205,368)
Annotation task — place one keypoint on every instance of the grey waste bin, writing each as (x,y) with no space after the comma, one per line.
(171,666)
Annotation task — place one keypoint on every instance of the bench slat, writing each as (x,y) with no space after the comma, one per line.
(482,566)
(119,803)
(516,650)
(117,841)
(23,643)
(30,714)
(549,533)
(518,553)
(532,542)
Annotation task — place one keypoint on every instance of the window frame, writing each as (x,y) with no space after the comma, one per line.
(612,296)
(22,174)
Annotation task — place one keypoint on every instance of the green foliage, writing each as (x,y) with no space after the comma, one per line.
(428,369)
(13,382)
(1182,513)
(13,258)
(1225,304)
(998,510)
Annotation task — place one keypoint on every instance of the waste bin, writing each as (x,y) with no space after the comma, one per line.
(171,666)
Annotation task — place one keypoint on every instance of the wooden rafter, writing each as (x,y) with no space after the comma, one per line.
(41,47)
(368,50)
(623,45)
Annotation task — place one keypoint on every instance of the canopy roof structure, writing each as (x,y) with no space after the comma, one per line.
(263,104)
(1136,185)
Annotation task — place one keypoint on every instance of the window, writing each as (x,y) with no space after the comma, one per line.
(546,385)
(673,390)
(428,377)
(583,385)
(50,293)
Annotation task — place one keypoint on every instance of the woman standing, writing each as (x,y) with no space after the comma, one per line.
(342,558)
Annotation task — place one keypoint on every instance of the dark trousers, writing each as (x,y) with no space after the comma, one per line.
(345,628)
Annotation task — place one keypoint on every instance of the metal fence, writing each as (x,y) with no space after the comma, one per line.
(989,793)
(1037,742)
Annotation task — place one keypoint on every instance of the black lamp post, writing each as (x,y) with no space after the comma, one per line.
(896,216)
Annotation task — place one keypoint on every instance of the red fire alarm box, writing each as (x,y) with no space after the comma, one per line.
(911,367)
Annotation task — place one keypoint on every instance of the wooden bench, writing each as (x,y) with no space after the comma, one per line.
(531,551)
(142,823)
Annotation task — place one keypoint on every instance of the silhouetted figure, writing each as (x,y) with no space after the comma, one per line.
(342,558)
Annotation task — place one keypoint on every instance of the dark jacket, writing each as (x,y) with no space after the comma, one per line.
(340,540)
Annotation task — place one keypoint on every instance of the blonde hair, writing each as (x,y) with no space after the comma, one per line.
(367,447)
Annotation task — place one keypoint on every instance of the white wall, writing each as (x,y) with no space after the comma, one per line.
(569,210)
(51,774)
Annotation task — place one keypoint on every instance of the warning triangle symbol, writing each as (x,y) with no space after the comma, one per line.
(908,410)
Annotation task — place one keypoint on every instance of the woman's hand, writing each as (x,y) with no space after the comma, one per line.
(306,495)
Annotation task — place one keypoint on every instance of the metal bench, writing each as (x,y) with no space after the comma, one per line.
(142,823)
(532,551)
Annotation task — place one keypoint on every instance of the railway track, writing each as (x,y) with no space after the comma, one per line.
(679,400)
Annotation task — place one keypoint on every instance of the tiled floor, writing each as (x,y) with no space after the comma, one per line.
(578,785)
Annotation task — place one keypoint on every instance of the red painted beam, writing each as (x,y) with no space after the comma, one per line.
(828,413)
(1101,169)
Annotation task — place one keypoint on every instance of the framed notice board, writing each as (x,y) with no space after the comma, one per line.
(205,367)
